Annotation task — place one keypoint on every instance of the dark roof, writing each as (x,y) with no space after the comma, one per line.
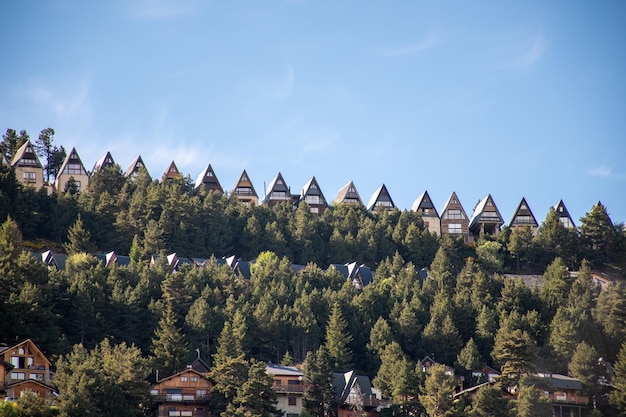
(312,188)
(486,211)
(208,180)
(199,365)
(342,269)
(561,210)
(344,383)
(523,210)
(244,187)
(134,167)
(561,382)
(105,161)
(172,171)
(382,198)
(277,185)
(424,202)
(26,152)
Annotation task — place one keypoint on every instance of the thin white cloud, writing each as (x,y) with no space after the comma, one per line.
(531,53)
(64,101)
(162,9)
(424,44)
(606,172)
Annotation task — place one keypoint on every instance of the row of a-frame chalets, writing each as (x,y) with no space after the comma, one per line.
(453,219)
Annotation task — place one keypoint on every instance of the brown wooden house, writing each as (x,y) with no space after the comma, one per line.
(134,167)
(381,199)
(244,190)
(524,217)
(277,192)
(23,367)
(454,221)
(207,181)
(172,172)
(486,218)
(186,393)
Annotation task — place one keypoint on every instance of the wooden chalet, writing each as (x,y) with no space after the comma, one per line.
(72,168)
(424,206)
(244,190)
(381,198)
(289,388)
(564,216)
(454,221)
(186,393)
(348,195)
(207,181)
(172,172)
(28,169)
(524,217)
(313,196)
(104,162)
(355,394)
(277,192)
(565,393)
(23,367)
(134,167)
(486,218)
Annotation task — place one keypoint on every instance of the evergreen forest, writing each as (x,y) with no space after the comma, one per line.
(107,330)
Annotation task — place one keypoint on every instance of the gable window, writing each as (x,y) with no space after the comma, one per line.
(30,177)
(74,168)
(454,214)
(183,379)
(18,375)
(455,228)
(194,379)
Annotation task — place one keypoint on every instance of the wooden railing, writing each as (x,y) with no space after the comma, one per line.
(569,399)
(285,389)
(178,398)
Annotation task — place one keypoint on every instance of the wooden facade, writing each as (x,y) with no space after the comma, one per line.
(186,393)
(23,367)
(381,199)
(277,192)
(524,217)
(454,221)
(564,216)
(172,172)
(244,190)
(207,181)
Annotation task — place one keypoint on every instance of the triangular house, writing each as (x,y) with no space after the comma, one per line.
(424,206)
(486,218)
(208,181)
(72,168)
(28,169)
(454,221)
(348,195)
(172,172)
(355,391)
(380,198)
(244,190)
(105,161)
(135,166)
(277,192)
(524,217)
(564,216)
(313,196)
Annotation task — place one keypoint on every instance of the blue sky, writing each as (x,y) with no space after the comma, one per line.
(516,99)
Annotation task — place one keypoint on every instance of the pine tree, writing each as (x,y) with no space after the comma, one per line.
(79,239)
(598,235)
(617,397)
(168,344)
(338,341)
(488,402)
(469,357)
(530,402)
(515,351)
(319,396)
(437,393)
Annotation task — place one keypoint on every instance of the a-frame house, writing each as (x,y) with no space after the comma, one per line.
(486,218)
(313,196)
(348,195)
(72,168)
(28,169)
(104,162)
(244,190)
(135,166)
(564,216)
(454,221)
(172,172)
(277,192)
(524,217)
(424,206)
(380,198)
(207,181)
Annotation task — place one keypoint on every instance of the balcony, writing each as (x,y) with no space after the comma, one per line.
(288,389)
(569,399)
(180,398)
(182,413)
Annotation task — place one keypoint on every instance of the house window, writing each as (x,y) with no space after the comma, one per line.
(30,177)
(455,228)
(18,375)
(292,400)
(315,210)
(74,169)
(194,379)
(454,214)
(313,199)
(201,392)
(154,392)
(278,382)
(565,221)
(183,379)
(426,211)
